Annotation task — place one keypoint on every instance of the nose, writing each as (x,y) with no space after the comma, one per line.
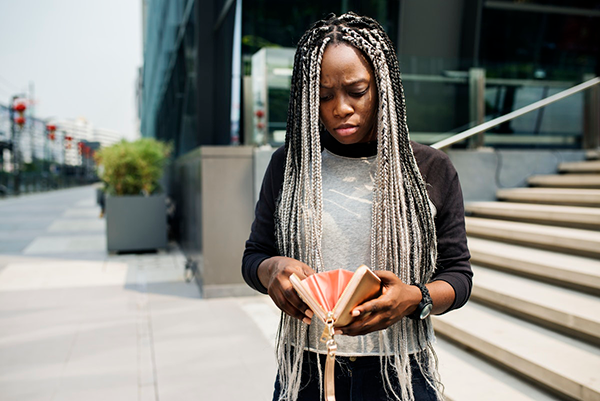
(343,108)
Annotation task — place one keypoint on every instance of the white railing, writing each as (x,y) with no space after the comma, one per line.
(517,113)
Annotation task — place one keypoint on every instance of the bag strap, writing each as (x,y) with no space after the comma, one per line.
(331,344)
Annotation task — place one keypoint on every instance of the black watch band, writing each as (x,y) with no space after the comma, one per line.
(425,306)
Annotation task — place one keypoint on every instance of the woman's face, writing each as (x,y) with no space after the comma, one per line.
(348,95)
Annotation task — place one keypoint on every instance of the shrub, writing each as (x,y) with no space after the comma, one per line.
(133,168)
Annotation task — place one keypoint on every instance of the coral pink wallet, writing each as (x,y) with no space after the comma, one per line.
(337,292)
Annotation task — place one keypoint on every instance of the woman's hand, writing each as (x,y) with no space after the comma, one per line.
(397,300)
(274,273)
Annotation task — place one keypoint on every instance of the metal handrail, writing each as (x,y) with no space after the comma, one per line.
(512,115)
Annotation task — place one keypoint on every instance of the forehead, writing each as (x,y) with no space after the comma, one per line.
(343,62)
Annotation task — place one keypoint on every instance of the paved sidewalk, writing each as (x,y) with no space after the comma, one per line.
(79,324)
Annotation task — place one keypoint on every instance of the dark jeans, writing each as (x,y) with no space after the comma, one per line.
(356,379)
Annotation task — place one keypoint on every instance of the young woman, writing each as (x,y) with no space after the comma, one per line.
(349,188)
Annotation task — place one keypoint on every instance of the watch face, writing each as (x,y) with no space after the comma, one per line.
(426,311)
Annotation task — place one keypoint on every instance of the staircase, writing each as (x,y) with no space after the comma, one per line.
(532,328)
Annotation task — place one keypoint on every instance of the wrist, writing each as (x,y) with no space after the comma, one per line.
(264,271)
(425,304)
(413,299)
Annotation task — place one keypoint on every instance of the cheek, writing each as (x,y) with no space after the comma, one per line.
(323,113)
(373,106)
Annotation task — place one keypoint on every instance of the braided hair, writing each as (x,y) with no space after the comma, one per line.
(403,238)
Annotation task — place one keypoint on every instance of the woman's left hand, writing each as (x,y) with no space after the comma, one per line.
(397,300)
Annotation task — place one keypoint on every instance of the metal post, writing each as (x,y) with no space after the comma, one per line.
(591,117)
(477,103)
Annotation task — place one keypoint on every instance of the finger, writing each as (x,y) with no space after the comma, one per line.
(386,276)
(363,327)
(308,271)
(290,302)
(292,310)
(368,307)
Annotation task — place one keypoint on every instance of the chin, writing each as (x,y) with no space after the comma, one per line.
(346,140)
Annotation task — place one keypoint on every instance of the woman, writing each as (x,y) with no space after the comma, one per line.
(349,188)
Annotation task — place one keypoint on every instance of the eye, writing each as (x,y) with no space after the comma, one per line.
(324,98)
(359,93)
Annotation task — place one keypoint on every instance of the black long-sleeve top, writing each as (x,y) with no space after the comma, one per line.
(444,191)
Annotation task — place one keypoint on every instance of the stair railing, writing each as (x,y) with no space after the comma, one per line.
(595,110)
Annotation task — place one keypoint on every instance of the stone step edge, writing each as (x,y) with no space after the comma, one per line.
(541,215)
(571,325)
(466,376)
(529,370)
(538,195)
(591,182)
(580,167)
(519,233)
(550,274)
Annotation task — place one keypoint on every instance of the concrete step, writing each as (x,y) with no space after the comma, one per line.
(591,166)
(565,181)
(592,154)
(569,312)
(553,196)
(467,378)
(569,271)
(568,367)
(569,240)
(567,216)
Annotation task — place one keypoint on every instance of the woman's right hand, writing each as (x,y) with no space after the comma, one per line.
(274,273)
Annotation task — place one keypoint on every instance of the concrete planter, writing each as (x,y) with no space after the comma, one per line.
(136,223)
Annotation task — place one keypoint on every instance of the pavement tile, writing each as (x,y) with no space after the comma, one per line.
(9,246)
(77,323)
(64,244)
(77,225)
(86,213)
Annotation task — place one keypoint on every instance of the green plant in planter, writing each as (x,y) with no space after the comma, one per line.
(133,168)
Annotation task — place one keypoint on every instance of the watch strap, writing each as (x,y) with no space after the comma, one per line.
(425,300)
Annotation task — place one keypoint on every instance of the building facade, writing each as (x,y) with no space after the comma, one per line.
(196,85)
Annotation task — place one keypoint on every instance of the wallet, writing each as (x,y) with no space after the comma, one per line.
(337,292)
(331,296)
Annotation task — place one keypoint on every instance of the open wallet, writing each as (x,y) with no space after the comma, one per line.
(332,295)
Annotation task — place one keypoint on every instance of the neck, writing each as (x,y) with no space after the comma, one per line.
(363,149)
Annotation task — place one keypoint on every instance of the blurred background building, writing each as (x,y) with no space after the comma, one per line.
(201,78)
(52,152)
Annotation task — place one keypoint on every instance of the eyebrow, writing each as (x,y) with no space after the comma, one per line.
(358,81)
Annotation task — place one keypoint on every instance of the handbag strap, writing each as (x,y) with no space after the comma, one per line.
(330,361)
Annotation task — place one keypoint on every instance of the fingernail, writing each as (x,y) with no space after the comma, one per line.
(306,320)
(309,313)
(338,332)
(355,313)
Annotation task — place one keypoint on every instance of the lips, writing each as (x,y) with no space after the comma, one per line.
(346,129)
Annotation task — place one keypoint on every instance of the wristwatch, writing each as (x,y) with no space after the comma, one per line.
(425,306)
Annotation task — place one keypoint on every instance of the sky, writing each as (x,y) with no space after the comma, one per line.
(81,55)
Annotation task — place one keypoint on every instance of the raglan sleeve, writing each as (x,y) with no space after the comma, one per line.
(261,244)
(453,265)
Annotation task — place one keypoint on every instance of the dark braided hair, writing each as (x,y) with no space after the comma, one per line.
(403,236)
